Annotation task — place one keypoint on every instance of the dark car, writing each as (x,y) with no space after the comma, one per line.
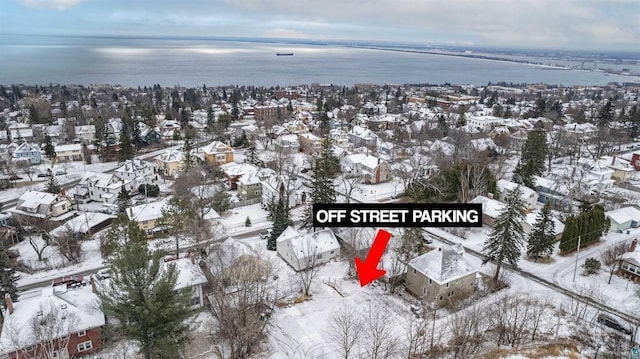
(44,175)
(613,323)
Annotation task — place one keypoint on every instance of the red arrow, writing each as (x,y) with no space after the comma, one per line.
(368,270)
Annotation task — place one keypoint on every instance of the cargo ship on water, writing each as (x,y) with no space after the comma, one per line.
(284,54)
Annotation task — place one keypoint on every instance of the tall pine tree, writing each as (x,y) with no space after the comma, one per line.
(507,238)
(142,295)
(281,216)
(542,236)
(8,278)
(49,150)
(532,160)
(322,185)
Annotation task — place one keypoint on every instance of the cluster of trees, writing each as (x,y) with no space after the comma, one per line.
(587,227)
(532,160)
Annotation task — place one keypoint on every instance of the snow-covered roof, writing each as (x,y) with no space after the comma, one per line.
(442,265)
(173,155)
(490,207)
(146,212)
(531,218)
(80,305)
(79,224)
(215,147)
(624,214)
(32,199)
(68,148)
(189,274)
(305,243)
(233,169)
(504,185)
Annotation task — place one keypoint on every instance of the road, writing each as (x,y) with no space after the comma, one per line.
(590,301)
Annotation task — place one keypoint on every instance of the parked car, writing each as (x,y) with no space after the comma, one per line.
(71,281)
(60,173)
(265,234)
(103,273)
(427,238)
(613,323)
(44,175)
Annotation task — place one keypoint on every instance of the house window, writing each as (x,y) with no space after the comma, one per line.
(447,285)
(333,252)
(414,271)
(56,354)
(195,301)
(84,346)
(424,290)
(440,297)
(82,333)
(430,281)
(319,256)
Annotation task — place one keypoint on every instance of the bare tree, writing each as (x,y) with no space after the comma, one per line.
(611,257)
(46,334)
(349,185)
(379,339)
(68,244)
(241,299)
(556,144)
(418,332)
(25,168)
(345,330)
(307,268)
(467,330)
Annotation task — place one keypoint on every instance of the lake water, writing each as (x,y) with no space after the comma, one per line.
(132,62)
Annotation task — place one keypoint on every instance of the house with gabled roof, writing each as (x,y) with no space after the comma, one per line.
(100,187)
(372,169)
(189,276)
(170,162)
(217,153)
(28,152)
(441,274)
(36,205)
(69,320)
(147,215)
(623,218)
(138,172)
(303,250)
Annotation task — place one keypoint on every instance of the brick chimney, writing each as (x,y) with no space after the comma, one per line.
(613,160)
(9,302)
(632,247)
(490,195)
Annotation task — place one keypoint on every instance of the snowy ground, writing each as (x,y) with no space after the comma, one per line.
(234,220)
(54,265)
(620,294)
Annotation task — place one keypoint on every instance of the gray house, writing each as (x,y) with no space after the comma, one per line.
(27,151)
(441,274)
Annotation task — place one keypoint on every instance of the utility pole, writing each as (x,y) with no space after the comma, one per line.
(575,268)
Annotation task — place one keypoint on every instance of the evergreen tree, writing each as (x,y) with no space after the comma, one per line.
(633,118)
(507,238)
(141,295)
(124,200)
(532,160)
(252,155)
(606,114)
(221,201)
(52,184)
(8,278)
(123,231)
(542,236)
(281,217)
(188,158)
(126,148)
(322,185)
(49,150)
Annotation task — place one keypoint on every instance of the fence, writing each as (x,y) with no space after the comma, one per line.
(246,202)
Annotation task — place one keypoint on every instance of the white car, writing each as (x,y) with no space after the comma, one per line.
(104,273)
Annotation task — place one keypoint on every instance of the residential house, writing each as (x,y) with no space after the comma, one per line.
(372,169)
(28,152)
(217,153)
(100,187)
(70,318)
(189,276)
(304,250)
(86,133)
(138,172)
(71,152)
(147,216)
(84,225)
(35,205)
(530,220)
(287,144)
(622,219)
(170,163)
(234,171)
(168,129)
(310,143)
(20,132)
(272,185)
(250,187)
(491,208)
(630,262)
(550,191)
(622,169)
(362,137)
(483,123)
(441,274)
(529,196)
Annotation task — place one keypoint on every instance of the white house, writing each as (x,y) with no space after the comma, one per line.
(528,195)
(20,131)
(623,218)
(86,133)
(43,205)
(304,250)
(189,276)
(70,152)
(100,187)
(372,169)
(138,172)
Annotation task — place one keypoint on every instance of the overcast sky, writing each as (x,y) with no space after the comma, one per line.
(562,24)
